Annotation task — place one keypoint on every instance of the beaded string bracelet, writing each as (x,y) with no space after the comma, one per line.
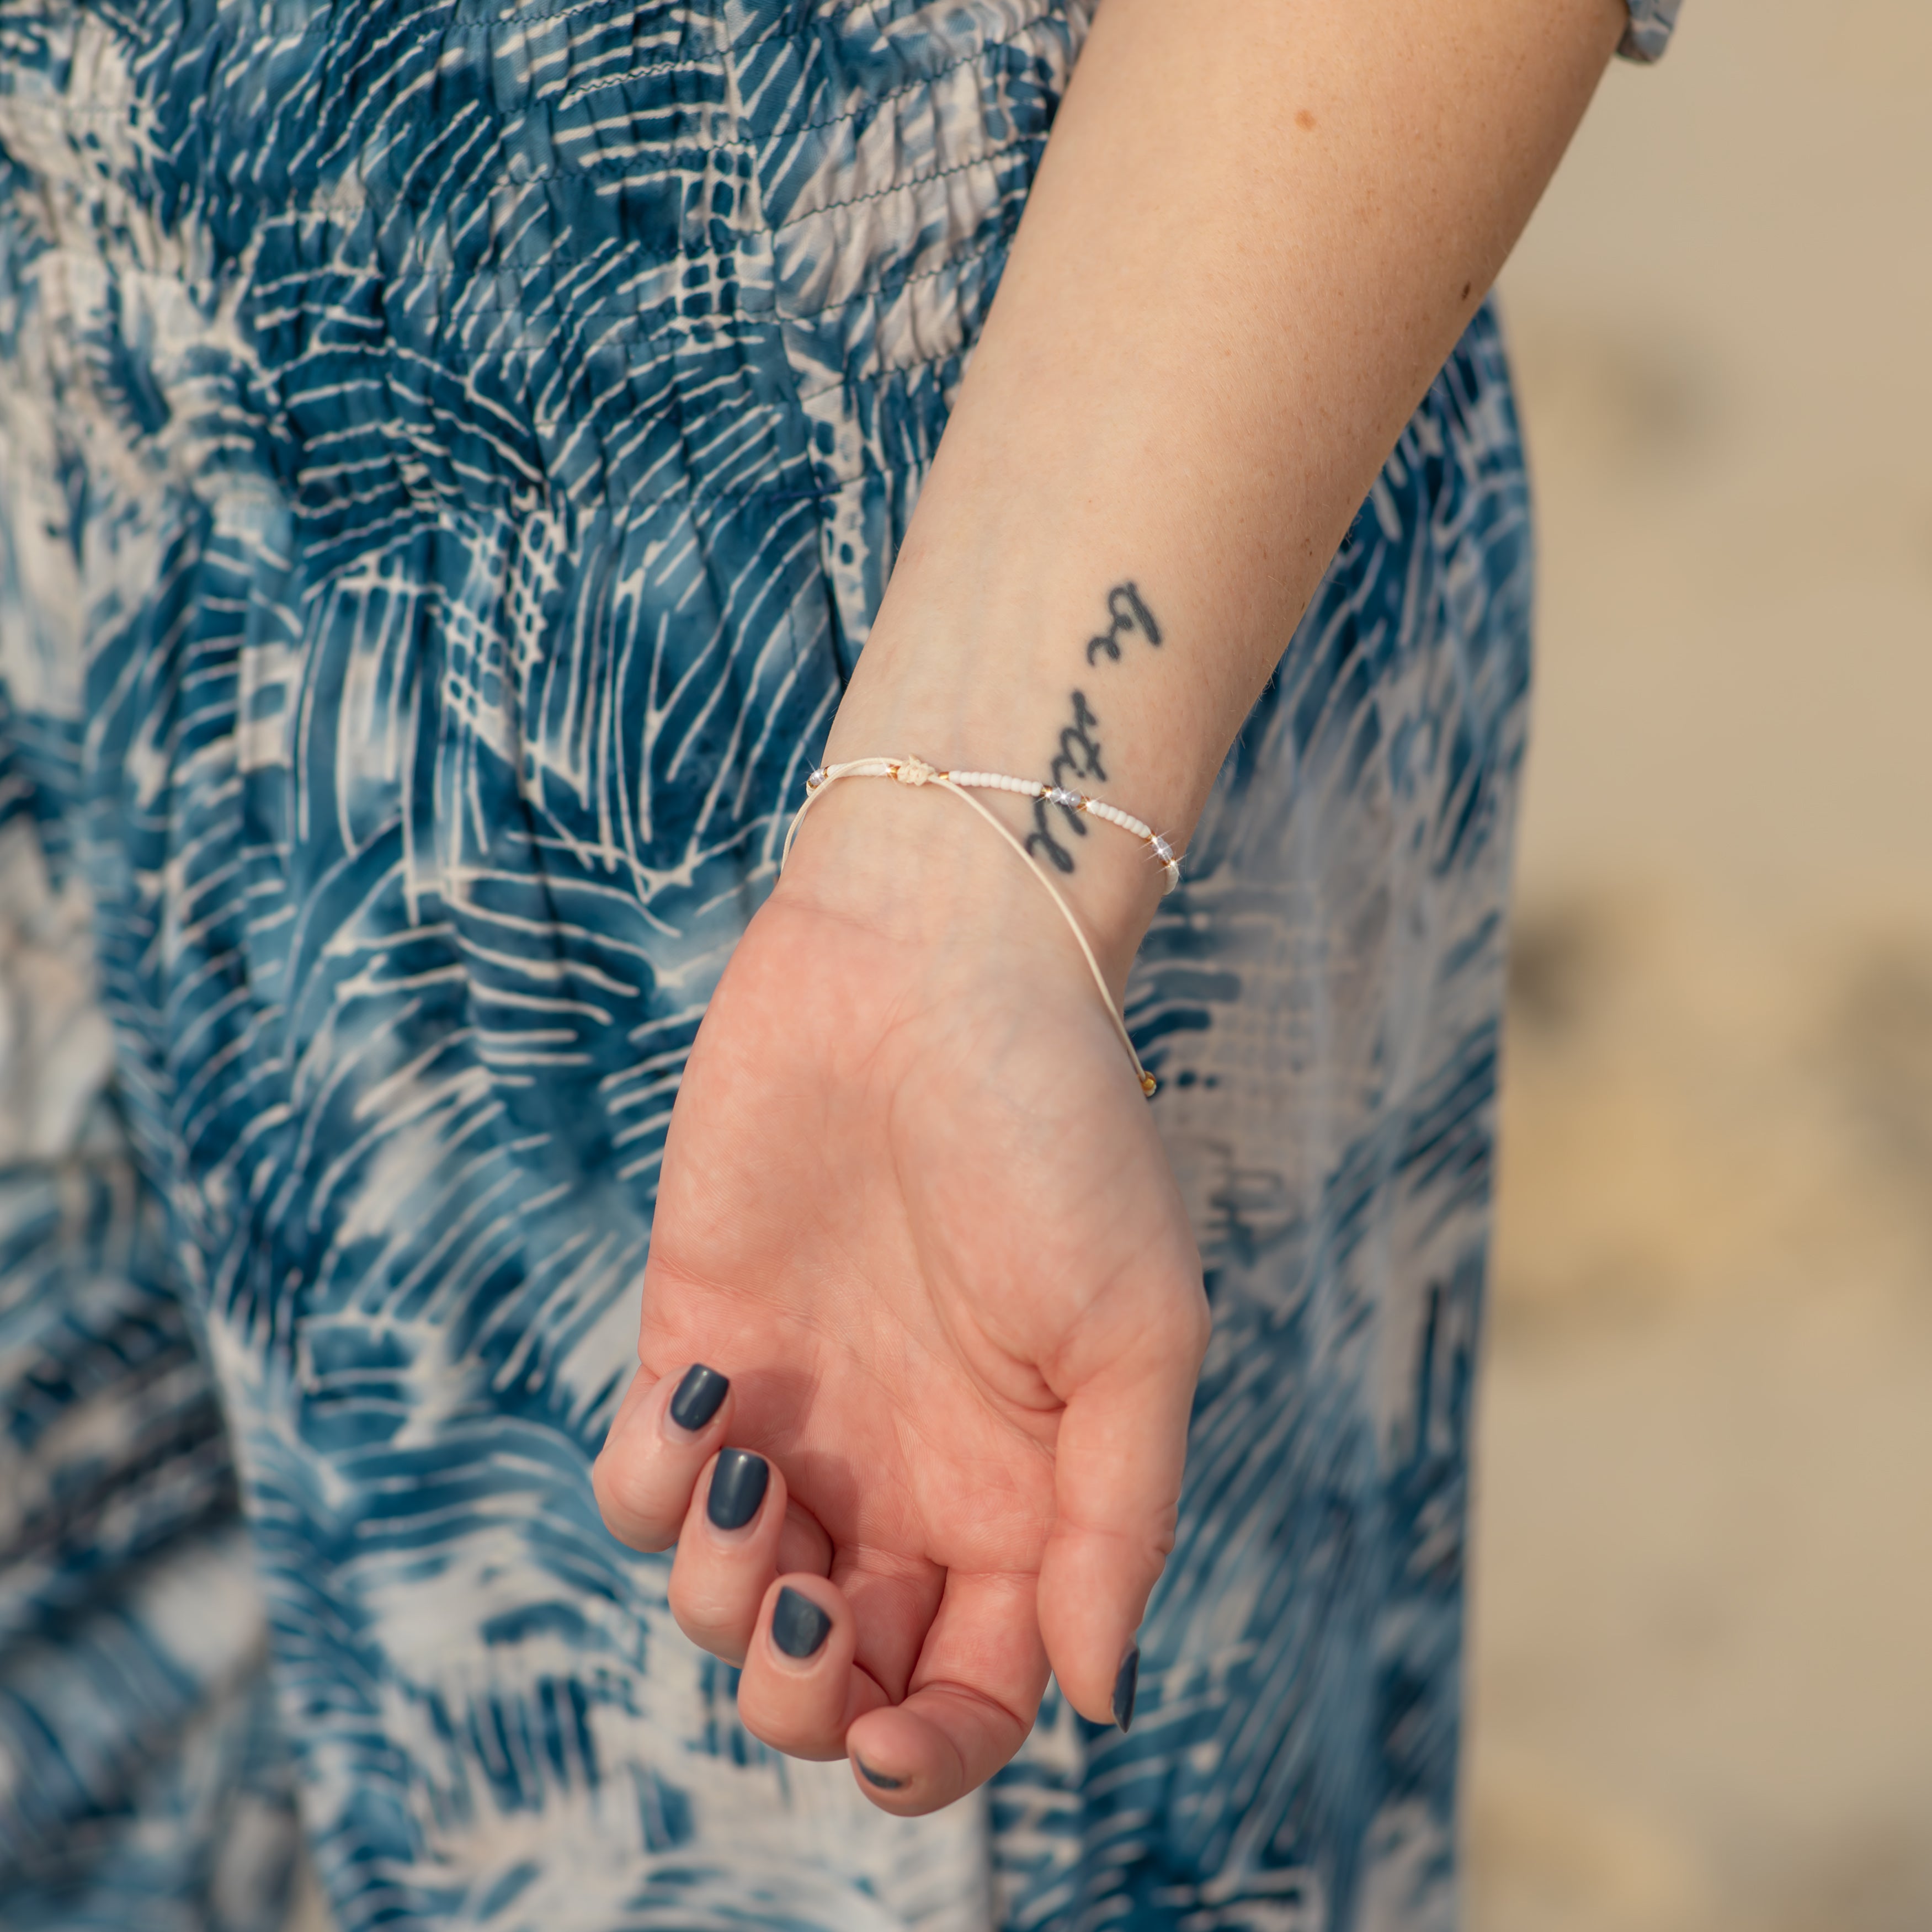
(962,785)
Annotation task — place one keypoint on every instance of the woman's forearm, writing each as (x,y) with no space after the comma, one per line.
(1258,230)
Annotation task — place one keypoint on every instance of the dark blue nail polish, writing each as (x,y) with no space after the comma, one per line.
(798,1626)
(878,1778)
(737,1488)
(697,1397)
(1127,1681)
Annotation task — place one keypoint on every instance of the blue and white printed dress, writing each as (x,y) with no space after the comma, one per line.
(450,453)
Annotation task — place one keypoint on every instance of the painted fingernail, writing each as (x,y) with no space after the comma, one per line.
(1126,1681)
(697,1397)
(798,1626)
(878,1778)
(737,1488)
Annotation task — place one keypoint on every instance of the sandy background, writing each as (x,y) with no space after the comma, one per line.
(1703,1672)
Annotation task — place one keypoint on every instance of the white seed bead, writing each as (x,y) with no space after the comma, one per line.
(1126,821)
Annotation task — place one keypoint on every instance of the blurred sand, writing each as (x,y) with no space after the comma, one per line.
(1702,1677)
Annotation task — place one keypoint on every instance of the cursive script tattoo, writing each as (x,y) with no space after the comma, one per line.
(1129,614)
(1079,754)
(1079,757)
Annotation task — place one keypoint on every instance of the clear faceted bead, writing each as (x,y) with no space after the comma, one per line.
(1163,850)
(1059,795)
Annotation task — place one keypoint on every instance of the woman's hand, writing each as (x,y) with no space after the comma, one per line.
(914,1207)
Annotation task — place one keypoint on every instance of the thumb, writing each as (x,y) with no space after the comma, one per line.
(1122,1444)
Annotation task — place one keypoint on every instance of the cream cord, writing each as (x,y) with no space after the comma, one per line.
(917,772)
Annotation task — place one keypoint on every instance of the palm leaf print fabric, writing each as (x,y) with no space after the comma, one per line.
(449,456)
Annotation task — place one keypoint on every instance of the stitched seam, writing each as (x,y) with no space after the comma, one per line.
(401,277)
(451,28)
(872,102)
(554,13)
(374,205)
(646,318)
(901,188)
(891,291)
(673,150)
(610,313)
(134,110)
(695,496)
(913,86)
(398,278)
(371,204)
(571,96)
(883,375)
(716,147)
(291,311)
(68,112)
(404,278)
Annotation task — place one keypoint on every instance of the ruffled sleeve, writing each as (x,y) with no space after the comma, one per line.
(1650,22)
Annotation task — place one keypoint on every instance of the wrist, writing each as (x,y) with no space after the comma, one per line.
(918,866)
(998,710)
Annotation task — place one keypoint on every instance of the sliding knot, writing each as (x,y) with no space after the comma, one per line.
(913,771)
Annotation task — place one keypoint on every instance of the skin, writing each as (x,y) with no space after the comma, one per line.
(914,1203)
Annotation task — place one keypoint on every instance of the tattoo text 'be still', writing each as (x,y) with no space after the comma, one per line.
(1079,754)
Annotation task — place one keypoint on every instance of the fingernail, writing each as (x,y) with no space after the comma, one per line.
(1126,1681)
(737,1488)
(878,1778)
(697,1397)
(798,1626)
